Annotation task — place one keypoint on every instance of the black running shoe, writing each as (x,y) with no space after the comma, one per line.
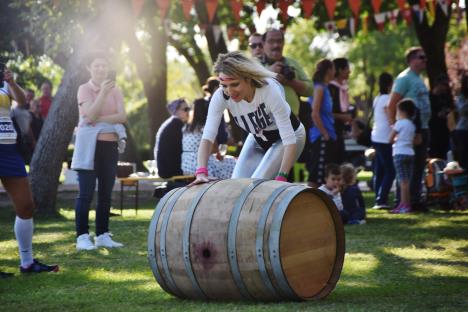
(5,274)
(37,267)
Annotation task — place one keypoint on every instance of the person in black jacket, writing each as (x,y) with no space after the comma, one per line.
(168,146)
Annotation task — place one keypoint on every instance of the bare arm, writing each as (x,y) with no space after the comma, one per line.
(17,92)
(289,158)
(391,109)
(317,104)
(393,134)
(204,151)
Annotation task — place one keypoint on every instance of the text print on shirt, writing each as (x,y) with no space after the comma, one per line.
(256,121)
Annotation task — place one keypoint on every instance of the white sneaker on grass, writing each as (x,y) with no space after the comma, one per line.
(105,240)
(83,242)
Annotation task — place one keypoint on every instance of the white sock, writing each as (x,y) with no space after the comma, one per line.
(24,232)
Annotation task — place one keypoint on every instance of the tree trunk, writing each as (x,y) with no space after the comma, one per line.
(432,40)
(51,148)
(196,59)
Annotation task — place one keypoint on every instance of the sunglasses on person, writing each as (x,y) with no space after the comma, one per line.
(256,45)
(186,109)
(422,57)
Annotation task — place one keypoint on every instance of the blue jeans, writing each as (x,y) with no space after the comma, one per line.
(105,169)
(384,172)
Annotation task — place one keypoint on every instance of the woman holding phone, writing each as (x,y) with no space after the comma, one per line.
(257,103)
(100,129)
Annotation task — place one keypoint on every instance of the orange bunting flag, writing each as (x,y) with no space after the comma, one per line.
(308,7)
(283,6)
(137,5)
(211,6)
(163,6)
(401,4)
(260,6)
(331,6)
(186,7)
(355,6)
(376,5)
(236,6)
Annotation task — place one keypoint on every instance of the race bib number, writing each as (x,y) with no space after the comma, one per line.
(7,130)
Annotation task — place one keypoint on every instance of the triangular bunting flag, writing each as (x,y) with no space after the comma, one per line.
(283,6)
(444,6)
(330,26)
(393,16)
(186,7)
(422,4)
(331,6)
(376,4)
(380,20)
(341,24)
(420,12)
(365,26)
(217,33)
(401,4)
(407,15)
(211,6)
(355,5)
(236,6)
(137,5)
(260,6)
(163,6)
(352,26)
(431,12)
(308,7)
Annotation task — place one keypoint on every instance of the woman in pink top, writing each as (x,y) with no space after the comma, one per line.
(101,107)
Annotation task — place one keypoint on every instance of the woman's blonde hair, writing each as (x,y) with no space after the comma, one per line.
(236,64)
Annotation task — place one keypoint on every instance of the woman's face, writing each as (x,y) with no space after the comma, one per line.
(99,69)
(237,88)
(330,74)
(183,112)
(344,73)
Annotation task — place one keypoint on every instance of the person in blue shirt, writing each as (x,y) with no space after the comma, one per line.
(322,135)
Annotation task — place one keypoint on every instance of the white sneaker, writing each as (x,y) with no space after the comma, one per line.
(83,242)
(105,240)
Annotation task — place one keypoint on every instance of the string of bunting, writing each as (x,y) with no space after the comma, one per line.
(425,8)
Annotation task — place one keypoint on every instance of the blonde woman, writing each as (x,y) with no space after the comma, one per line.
(257,103)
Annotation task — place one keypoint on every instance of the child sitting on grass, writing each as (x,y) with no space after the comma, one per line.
(332,188)
(402,135)
(351,196)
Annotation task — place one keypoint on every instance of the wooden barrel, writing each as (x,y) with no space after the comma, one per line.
(246,239)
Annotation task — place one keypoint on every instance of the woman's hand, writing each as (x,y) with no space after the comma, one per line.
(200,179)
(106,86)
(326,136)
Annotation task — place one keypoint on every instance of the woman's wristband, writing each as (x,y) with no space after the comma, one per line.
(201,170)
(283,174)
(281,178)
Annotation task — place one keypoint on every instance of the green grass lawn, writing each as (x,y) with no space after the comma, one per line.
(415,262)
